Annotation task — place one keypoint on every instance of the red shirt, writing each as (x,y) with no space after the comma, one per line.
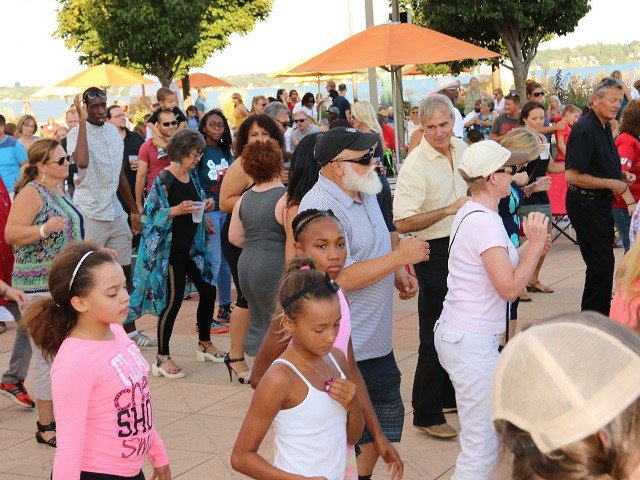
(149,154)
(564,134)
(629,150)
(389,136)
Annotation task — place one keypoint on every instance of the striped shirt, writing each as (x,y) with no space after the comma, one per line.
(367,238)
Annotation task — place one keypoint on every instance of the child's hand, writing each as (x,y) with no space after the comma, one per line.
(344,392)
(161,473)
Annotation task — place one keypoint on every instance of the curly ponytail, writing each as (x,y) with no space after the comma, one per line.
(38,153)
(49,321)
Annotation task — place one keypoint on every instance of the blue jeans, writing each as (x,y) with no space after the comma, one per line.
(622,219)
(220,266)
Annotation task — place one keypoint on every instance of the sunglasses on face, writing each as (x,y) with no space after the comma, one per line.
(364,160)
(166,124)
(95,94)
(538,94)
(511,170)
(61,160)
(300,120)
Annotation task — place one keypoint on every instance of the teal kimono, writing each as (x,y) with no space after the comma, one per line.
(152,266)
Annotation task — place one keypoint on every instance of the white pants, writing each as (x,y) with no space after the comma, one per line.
(470,360)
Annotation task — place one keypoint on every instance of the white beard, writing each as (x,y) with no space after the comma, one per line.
(368,183)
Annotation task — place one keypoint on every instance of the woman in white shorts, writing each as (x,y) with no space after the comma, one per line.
(42,221)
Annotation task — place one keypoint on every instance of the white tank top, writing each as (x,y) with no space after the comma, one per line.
(310,437)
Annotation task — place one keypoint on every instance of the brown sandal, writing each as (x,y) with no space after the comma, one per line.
(538,288)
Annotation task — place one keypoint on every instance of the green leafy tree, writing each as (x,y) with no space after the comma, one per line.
(511,27)
(164,38)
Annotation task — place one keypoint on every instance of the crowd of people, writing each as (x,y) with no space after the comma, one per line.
(104,225)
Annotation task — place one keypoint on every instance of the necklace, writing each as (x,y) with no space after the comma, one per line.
(327,380)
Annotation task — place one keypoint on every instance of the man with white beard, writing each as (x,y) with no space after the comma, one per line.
(347,185)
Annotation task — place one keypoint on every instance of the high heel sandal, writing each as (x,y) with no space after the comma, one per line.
(46,428)
(243,377)
(203,355)
(173,372)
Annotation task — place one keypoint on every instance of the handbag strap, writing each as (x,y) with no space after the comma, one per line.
(456,232)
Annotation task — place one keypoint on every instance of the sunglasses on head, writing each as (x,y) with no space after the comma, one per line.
(93,94)
(166,124)
(364,160)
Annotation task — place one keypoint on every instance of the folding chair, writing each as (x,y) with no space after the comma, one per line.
(557,197)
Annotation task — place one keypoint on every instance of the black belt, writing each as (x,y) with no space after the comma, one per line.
(606,194)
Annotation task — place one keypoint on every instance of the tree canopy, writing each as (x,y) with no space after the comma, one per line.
(511,27)
(161,37)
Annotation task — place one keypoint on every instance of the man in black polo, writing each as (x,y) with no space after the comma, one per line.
(593,173)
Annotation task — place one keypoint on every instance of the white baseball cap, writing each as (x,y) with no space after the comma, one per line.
(484,158)
(444,83)
(566,378)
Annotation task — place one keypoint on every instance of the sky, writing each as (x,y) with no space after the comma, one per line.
(36,58)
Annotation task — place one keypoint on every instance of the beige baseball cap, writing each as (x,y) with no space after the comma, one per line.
(484,158)
(566,378)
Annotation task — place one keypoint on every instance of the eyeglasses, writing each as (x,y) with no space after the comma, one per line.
(300,120)
(364,160)
(61,160)
(216,126)
(196,156)
(538,94)
(166,124)
(93,94)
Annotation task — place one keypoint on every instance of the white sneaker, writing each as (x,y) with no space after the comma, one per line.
(143,341)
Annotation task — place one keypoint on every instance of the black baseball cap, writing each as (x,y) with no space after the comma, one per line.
(330,144)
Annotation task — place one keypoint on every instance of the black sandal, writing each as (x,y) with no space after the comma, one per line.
(243,377)
(46,428)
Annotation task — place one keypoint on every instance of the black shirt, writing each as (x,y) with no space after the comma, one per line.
(591,149)
(536,169)
(132,143)
(180,117)
(342,104)
(384,197)
(183,228)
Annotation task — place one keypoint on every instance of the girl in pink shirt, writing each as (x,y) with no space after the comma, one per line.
(625,305)
(99,378)
(318,234)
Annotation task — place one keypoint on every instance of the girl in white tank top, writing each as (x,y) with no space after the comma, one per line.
(305,394)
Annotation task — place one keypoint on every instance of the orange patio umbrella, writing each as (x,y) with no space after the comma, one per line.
(393,45)
(197,80)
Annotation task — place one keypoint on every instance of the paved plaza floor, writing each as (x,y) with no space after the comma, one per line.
(199,416)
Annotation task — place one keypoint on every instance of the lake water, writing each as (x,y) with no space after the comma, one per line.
(414,90)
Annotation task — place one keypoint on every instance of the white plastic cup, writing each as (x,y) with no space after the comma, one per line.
(198,214)
(546,153)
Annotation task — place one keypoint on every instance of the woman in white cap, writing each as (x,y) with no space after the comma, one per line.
(567,401)
(486,272)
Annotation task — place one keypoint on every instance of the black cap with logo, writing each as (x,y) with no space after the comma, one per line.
(336,140)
